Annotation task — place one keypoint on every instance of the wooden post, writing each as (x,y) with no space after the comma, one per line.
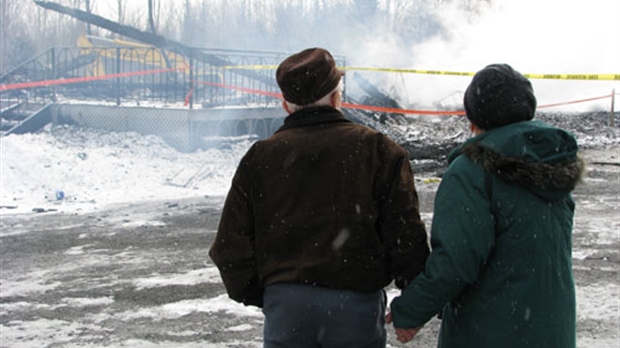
(611,114)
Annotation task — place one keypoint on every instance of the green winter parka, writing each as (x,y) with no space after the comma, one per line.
(500,270)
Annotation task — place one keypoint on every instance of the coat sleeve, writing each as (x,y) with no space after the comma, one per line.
(233,250)
(462,237)
(400,225)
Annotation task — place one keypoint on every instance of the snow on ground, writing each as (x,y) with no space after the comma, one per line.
(80,171)
(68,169)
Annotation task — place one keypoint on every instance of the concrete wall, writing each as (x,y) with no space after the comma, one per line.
(184,129)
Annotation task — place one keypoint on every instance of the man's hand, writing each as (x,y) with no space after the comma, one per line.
(402,335)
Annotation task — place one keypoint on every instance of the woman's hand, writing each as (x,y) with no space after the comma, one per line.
(402,335)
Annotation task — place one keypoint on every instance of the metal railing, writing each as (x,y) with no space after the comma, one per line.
(205,77)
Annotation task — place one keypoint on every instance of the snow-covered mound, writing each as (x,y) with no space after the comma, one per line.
(66,168)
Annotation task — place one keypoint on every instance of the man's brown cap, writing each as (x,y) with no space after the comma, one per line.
(308,76)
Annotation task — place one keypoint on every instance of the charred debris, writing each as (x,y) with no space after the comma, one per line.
(429,153)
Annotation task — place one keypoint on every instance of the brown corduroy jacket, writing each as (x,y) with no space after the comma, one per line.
(324,202)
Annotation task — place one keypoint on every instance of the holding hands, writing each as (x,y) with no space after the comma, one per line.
(403,335)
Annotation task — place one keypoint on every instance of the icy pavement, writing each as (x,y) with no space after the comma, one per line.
(121,260)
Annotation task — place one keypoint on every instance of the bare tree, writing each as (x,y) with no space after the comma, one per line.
(121,7)
(88,9)
(366,9)
(274,24)
(13,41)
(151,20)
(188,25)
(7,13)
(169,18)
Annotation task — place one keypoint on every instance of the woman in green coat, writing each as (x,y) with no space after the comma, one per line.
(500,271)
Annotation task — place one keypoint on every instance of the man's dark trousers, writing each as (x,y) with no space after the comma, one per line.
(304,316)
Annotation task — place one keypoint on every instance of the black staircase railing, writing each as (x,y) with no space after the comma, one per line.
(143,74)
(138,75)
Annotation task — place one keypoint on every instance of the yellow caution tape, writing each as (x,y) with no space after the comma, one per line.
(431,180)
(411,71)
(589,77)
(593,77)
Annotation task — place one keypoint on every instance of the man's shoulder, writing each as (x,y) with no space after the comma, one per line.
(369,131)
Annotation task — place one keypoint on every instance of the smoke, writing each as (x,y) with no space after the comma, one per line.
(535,37)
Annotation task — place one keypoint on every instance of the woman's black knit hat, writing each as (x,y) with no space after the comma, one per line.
(499,95)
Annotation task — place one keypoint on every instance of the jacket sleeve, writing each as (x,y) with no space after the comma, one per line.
(400,225)
(233,249)
(462,237)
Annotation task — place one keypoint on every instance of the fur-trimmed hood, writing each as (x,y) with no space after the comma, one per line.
(532,154)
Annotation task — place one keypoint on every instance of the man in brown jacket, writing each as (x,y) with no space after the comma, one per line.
(320,218)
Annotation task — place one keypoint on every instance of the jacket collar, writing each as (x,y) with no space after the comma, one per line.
(311,116)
